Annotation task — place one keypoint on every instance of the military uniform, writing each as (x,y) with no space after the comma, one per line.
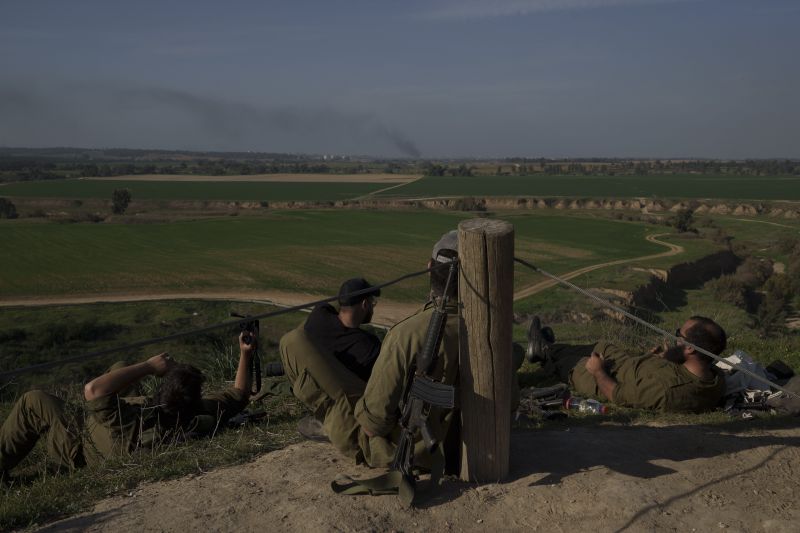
(116,425)
(345,404)
(643,381)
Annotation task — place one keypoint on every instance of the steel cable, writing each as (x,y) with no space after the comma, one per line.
(653,327)
(140,344)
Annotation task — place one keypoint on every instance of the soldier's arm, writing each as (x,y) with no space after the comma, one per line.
(605,383)
(244,381)
(377,410)
(116,380)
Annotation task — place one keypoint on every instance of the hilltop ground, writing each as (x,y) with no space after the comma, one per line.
(600,478)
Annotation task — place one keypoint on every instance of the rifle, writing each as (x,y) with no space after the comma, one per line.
(250,330)
(422,392)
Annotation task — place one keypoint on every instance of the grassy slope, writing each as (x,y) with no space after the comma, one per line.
(301,250)
(663,186)
(552,241)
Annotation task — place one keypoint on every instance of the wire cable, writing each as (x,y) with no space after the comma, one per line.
(653,327)
(149,342)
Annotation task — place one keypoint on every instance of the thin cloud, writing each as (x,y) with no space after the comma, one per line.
(470,9)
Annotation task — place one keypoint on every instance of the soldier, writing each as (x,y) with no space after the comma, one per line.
(668,378)
(339,334)
(117,423)
(360,418)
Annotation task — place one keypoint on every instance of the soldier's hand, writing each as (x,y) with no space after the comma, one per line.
(595,363)
(247,350)
(160,364)
(657,351)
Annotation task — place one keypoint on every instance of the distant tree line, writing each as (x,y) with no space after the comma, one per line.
(770,167)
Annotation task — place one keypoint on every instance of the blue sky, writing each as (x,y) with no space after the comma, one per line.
(552,78)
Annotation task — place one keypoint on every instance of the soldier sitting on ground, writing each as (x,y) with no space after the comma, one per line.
(360,417)
(668,378)
(117,423)
(339,334)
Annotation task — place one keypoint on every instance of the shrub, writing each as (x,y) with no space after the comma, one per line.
(754,272)
(730,289)
(7,209)
(120,199)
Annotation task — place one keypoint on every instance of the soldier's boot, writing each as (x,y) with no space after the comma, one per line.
(311,428)
(540,339)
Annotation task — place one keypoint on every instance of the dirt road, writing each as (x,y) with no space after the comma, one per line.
(599,478)
(674,249)
(386,313)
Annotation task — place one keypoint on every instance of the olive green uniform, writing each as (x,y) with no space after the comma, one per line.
(346,404)
(116,425)
(643,381)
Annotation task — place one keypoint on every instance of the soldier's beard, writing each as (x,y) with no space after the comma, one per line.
(675,355)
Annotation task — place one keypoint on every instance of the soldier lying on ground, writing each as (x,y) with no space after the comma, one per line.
(119,423)
(669,378)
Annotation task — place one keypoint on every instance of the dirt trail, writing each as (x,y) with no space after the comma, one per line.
(599,478)
(387,312)
(674,249)
(375,193)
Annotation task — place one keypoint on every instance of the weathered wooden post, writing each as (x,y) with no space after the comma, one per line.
(486,289)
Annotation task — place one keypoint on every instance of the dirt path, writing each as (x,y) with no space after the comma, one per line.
(674,249)
(600,478)
(374,193)
(387,312)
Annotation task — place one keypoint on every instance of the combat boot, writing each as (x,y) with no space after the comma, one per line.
(539,341)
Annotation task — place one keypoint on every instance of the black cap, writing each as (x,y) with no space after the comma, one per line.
(352,285)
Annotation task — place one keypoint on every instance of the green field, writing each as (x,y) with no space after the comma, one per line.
(662,186)
(303,251)
(192,190)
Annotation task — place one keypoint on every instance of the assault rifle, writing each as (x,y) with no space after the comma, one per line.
(250,330)
(422,392)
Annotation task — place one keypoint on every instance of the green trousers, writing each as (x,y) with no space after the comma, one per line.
(331,391)
(326,387)
(567,362)
(36,415)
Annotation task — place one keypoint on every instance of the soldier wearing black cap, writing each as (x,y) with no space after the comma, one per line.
(358,417)
(339,334)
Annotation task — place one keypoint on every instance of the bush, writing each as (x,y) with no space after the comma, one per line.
(683,221)
(120,199)
(730,289)
(754,272)
(7,209)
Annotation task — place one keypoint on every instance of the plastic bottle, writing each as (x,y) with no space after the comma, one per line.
(585,405)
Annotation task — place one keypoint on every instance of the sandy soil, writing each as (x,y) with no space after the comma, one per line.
(599,478)
(295,178)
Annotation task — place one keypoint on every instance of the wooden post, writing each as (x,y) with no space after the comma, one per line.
(486,291)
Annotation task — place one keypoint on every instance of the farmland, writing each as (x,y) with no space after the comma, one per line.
(193,190)
(304,251)
(286,187)
(661,186)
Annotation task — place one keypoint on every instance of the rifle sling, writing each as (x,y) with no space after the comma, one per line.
(394,482)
